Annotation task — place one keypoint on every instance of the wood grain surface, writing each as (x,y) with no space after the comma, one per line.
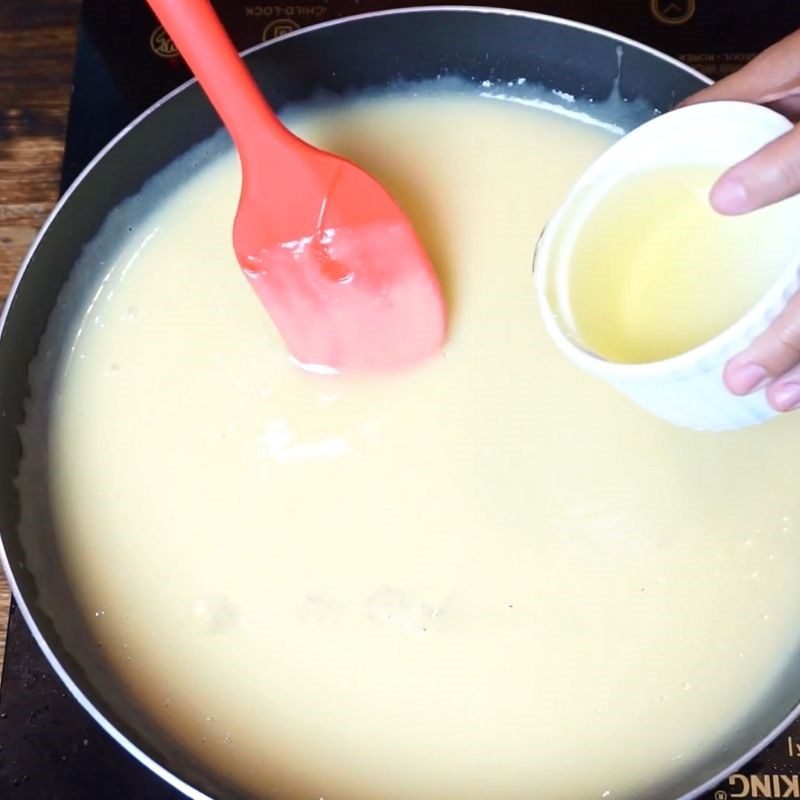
(37,46)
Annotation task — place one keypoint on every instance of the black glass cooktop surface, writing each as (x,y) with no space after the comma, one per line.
(50,749)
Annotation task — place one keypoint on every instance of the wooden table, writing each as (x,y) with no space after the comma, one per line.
(37,45)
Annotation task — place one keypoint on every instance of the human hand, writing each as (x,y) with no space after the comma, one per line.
(772,361)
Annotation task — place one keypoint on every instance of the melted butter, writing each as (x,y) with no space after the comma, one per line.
(655,271)
(455,583)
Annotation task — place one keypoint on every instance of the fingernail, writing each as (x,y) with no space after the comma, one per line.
(729,196)
(747,379)
(786,396)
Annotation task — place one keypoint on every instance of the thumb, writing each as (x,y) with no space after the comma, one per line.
(769,175)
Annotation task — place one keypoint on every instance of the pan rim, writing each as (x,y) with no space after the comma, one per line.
(64,676)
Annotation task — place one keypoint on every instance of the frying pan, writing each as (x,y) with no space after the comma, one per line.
(369,51)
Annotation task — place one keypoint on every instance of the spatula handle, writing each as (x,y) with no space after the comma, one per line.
(204,44)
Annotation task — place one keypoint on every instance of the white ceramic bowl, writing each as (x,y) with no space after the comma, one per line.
(687,389)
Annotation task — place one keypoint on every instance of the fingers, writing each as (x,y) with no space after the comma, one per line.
(784,394)
(772,360)
(770,175)
(789,107)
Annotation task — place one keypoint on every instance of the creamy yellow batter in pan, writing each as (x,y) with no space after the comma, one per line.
(491,577)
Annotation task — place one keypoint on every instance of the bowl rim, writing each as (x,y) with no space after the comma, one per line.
(588,191)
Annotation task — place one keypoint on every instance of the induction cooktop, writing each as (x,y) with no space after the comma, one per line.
(50,749)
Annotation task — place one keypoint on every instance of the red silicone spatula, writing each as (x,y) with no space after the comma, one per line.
(333,259)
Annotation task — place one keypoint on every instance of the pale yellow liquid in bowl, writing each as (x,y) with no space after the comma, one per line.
(655,271)
(490,577)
